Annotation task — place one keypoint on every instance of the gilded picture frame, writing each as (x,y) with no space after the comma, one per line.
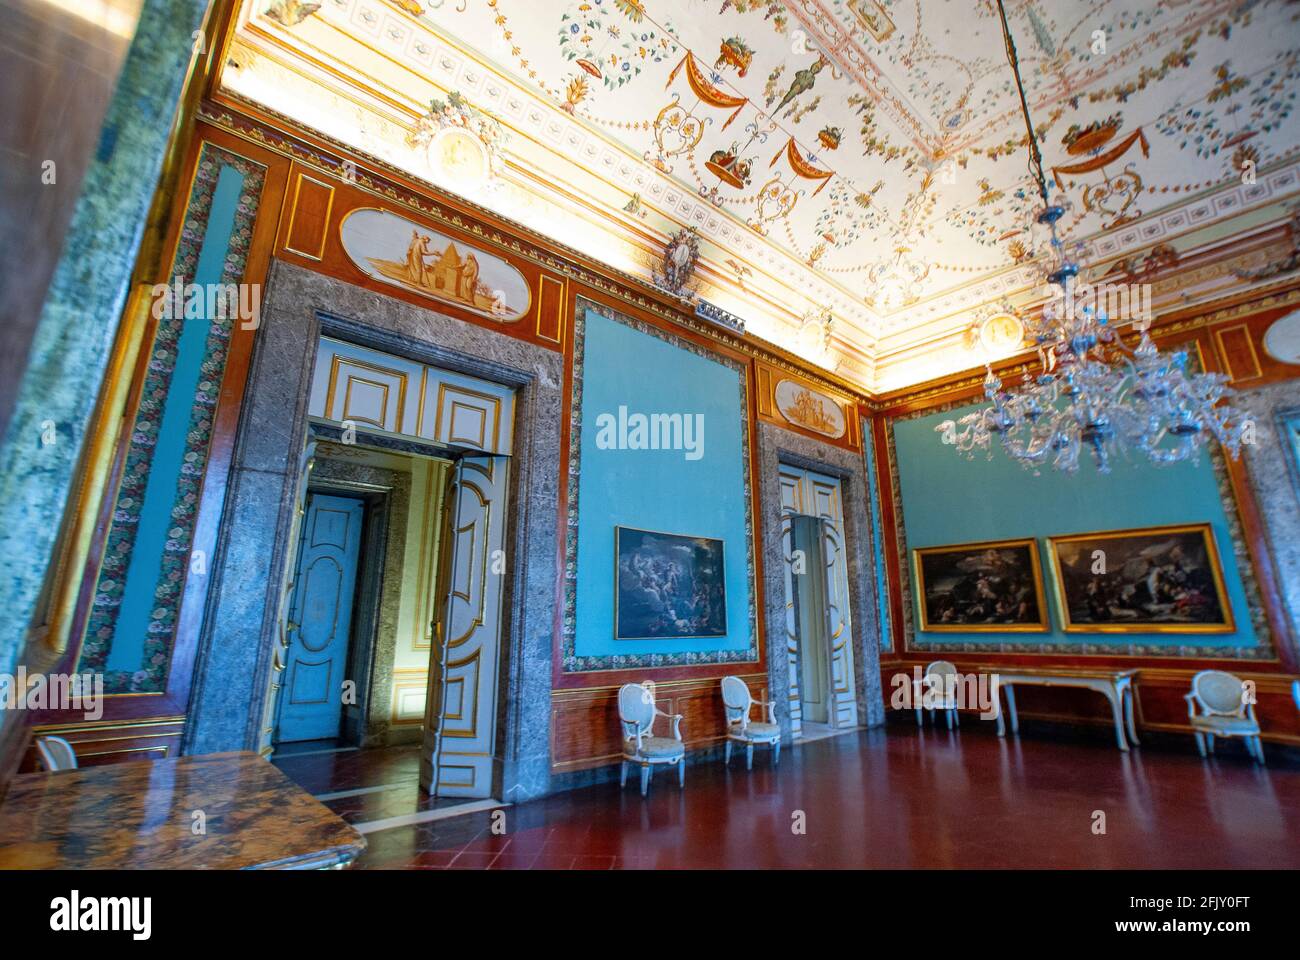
(1164,579)
(988,586)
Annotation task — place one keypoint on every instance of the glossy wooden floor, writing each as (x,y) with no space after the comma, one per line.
(884,798)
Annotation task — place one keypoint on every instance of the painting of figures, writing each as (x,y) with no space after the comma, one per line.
(396,251)
(991,587)
(1157,580)
(668,586)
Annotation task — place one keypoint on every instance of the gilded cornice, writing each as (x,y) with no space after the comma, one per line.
(283,137)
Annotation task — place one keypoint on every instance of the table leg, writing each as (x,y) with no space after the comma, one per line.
(1128,714)
(1011,708)
(1115,711)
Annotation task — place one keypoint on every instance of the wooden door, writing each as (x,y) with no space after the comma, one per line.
(460,718)
(320,619)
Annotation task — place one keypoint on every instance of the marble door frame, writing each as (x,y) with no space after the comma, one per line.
(237,641)
(777,446)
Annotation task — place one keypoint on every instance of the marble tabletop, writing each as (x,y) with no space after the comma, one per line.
(215,811)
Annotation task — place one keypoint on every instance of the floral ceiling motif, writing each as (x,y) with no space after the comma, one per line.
(848,130)
(876,146)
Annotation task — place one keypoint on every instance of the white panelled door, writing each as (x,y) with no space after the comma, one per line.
(460,722)
(813,494)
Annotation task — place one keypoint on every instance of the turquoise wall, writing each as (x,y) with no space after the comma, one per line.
(657,489)
(157,518)
(947,499)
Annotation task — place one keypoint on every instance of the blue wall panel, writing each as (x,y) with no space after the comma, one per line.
(658,490)
(947,500)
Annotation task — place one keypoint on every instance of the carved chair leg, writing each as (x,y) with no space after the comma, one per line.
(918,717)
(948,715)
(622,776)
(749,756)
(681,773)
(776,753)
(726,754)
(1209,739)
(1259,748)
(645,778)
(1200,743)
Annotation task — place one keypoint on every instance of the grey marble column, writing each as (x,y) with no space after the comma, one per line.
(1275,476)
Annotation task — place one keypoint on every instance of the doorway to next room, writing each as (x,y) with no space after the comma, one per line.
(822,691)
(363,601)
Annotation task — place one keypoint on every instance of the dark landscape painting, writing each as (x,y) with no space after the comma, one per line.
(980,587)
(668,586)
(1159,580)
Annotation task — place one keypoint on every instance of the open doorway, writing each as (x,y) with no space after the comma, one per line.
(363,596)
(428,450)
(822,697)
(812,622)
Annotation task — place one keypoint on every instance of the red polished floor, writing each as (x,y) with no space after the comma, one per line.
(883,798)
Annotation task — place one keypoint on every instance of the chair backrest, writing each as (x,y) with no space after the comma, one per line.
(1218,692)
(56,754)
(636,708)
(941,691)
(736,698)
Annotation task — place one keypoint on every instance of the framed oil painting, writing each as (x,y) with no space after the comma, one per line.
(668,586)
(1153,580)
(995,586)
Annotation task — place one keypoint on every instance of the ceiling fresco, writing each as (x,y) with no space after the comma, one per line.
(868,154)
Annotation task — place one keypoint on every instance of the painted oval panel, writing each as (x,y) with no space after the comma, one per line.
(396,251)
(320,617)
(1282,338)
(809,409)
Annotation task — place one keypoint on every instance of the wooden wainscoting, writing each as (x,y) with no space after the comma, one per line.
(584,722)
(1159,693)
(113,741)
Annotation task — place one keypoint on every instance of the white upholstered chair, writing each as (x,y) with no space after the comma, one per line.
(737,703)
(935,692)
(56,754)
(1217,708)
(636,714)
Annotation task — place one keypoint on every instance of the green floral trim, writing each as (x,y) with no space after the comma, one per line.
(102,625)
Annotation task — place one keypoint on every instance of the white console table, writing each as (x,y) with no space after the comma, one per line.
(1115,685)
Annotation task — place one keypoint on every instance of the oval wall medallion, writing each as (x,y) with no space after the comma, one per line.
(1282,338)
(809,409)
(396,251)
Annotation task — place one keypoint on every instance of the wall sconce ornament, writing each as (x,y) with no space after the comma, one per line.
(681,254)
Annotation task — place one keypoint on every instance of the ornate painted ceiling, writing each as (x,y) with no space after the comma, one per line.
(866,156)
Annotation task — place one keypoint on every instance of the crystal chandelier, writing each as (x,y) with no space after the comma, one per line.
(1092,391)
